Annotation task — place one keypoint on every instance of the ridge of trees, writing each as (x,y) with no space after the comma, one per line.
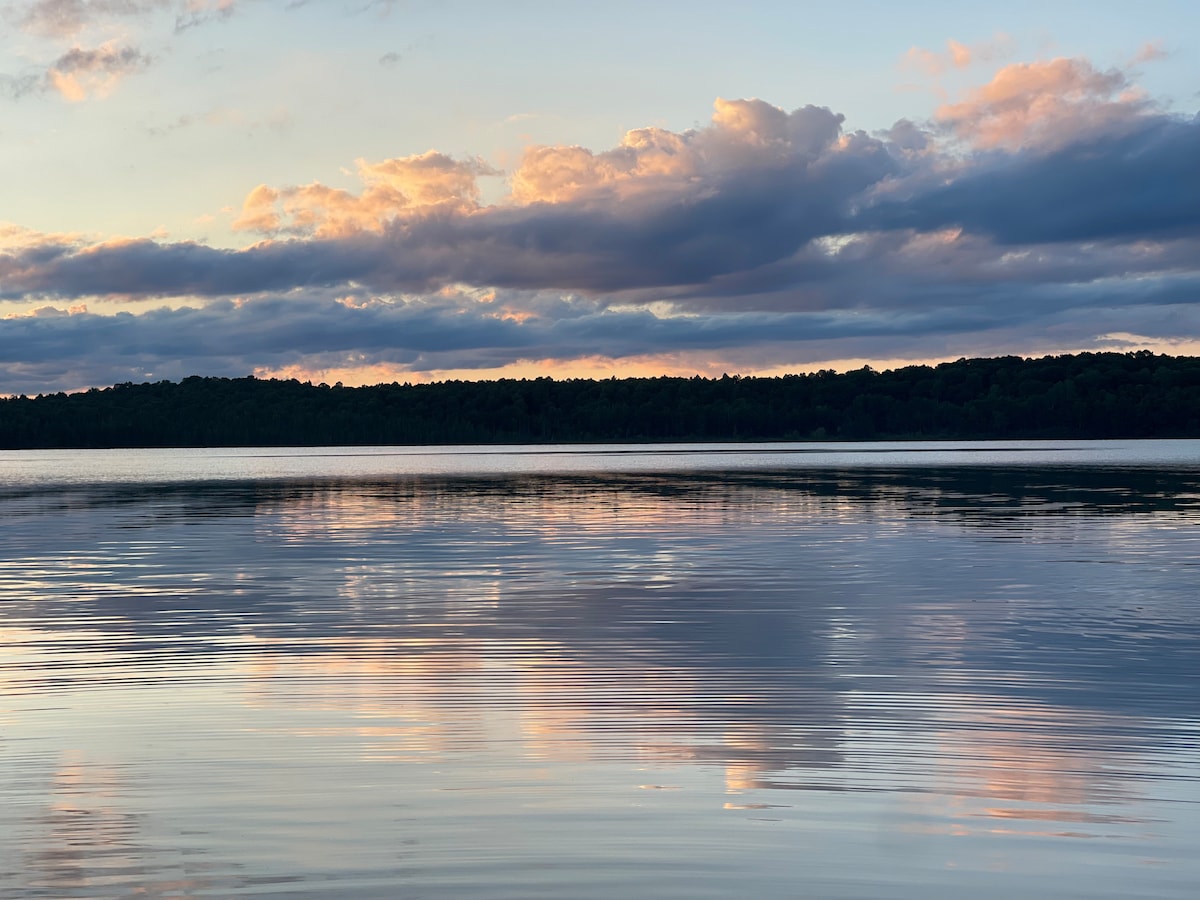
(1086,395)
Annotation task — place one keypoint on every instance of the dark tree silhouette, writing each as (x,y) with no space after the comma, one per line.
(1088,395)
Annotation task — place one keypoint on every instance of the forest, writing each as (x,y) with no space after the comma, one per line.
(1086,395)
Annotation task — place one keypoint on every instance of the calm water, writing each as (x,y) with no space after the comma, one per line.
(790,671)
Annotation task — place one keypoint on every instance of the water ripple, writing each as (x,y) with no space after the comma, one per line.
(924,681)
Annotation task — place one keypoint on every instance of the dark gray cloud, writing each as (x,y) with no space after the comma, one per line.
(769,237)
(52,349)
(1144,183)
(732,234)
(105,60)
(738,223)
(18,87)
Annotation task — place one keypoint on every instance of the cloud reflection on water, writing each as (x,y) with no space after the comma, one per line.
(1004,653)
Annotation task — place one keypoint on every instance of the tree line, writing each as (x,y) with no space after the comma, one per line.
(1086,395)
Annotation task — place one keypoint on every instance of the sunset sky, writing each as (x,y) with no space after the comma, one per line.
(377,190)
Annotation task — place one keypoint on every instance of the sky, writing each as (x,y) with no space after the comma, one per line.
(372,191)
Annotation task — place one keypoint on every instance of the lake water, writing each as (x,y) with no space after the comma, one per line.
(773,671)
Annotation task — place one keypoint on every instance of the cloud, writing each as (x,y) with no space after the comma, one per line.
(1044,103)
(201,12)
(381,8)
(66,18)
(441,330)
(744,134)
(459,330)
(1136,183)
(739,209)
(18,87)
(80,74)
(957,55)
(649,161)
(418,226)
(1152,51)
(280,120)
(19,239)
(662,208)
(394,188)
(90,61)
(395,57)
(1047,208)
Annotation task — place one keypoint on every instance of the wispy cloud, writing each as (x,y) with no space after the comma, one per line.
(80,73)
(1149,52)
(227,118)
(202,12)
(66,18)
(86,47)
(958,55)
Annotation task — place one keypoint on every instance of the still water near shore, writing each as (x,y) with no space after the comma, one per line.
(776,671)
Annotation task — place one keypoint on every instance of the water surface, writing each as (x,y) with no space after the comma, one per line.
(846,671)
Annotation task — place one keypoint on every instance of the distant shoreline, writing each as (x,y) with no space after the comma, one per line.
(1070,397)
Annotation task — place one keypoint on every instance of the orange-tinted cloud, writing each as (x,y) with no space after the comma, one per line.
(764,240)
(1149,52)
(1045,104)
(957,55)
(17,237)
(393,188)
(649,161)
(80,74)
(554,174)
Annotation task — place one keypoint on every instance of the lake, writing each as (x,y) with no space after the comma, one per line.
(935,670)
